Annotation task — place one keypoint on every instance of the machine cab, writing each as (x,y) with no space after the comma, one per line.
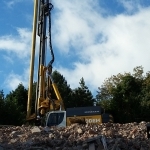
(56,118)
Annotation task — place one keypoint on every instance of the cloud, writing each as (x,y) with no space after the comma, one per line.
(14,79)
(104,45)
(11,3)
(17,44)
(130,5)
(8,59)
(71,20)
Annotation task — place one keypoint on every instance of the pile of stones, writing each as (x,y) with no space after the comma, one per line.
(108,136)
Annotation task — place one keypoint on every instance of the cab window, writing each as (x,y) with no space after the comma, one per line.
(55,119)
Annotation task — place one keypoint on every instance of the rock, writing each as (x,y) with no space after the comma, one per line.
(143,122)
(92,131)
(20,135)
(103,129)
(1,133)
(109,124)
(79,131)
(35,130)
(84,145)
(15,134)
(110,132)
(133,131)
(28,142)
(13,140)
(58,148)
(47,129)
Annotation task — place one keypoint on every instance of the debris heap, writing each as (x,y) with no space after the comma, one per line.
(108,136)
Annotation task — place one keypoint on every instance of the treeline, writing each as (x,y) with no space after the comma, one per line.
(13,106)
(126,96)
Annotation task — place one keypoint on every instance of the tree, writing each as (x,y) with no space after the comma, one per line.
(121,95)
(103,98)
(64,88)
(12,114)
(16,106)
(81,96)
(21,96)
(2,104)
(105,92)
(145,98)
(126,101)
(138,72)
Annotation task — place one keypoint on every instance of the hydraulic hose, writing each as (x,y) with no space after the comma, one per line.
(50,40)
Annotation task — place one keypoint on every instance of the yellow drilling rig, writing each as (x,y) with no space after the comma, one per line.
(48,110)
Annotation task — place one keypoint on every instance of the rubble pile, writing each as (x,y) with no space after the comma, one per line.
(108,136)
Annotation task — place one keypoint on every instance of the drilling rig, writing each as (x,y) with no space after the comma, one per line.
(44,101)
(49,111)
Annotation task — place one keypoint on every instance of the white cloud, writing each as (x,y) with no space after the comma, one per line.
(14,79)
(73,23)
(17,44)
(105,45)
(130,5)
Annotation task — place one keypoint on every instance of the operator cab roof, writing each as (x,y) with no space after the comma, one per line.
(83,111)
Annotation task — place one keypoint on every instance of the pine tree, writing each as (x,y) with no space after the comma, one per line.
(82,96)
(16,106)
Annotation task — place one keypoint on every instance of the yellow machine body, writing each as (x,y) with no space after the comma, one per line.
(93,119)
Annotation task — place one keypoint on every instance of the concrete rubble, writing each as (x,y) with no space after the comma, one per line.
(108,136)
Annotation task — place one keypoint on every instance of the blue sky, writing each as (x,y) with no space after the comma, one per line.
(91,39)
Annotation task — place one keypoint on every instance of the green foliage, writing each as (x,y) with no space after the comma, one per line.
(20,95)
(126,96)
(12,114)
(145,98)
(64,88)
(15,105)
(2,106)
(138,72)
(81,96)
(126,101)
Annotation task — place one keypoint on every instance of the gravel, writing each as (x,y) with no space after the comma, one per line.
(129,136)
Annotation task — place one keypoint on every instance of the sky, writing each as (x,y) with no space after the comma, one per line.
(91,39)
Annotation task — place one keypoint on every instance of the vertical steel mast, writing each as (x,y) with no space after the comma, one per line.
(32,58)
